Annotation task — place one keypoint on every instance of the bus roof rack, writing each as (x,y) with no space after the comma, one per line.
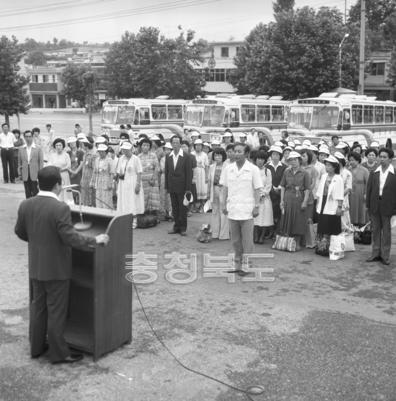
(163,97)
(276,97)
(247,96)
(265,97)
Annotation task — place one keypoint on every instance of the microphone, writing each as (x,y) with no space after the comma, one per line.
(81,225)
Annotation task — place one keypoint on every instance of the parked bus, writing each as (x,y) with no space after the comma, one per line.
(140,113)
(332,113)
(213,114)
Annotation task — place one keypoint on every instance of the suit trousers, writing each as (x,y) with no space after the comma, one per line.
(381,235)
(31,187)
(48,312)
(241,239)
(179,211)
(7,160)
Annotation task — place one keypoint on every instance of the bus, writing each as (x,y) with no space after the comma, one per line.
(140,113)
(213,114)
(333,113)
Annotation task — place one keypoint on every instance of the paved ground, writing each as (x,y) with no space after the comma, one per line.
(320,331)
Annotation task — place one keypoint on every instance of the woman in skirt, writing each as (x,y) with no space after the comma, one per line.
(330,196)
(202,174)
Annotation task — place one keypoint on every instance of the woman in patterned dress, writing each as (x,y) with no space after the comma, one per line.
(150,176)
(165,202)
(102,179)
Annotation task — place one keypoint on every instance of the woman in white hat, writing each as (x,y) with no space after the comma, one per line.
(295,185)
(346,176)
(202,174)
(130,196)
(102,179)
(150,177)
(330,196)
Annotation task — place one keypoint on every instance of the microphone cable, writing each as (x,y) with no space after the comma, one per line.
(253,390)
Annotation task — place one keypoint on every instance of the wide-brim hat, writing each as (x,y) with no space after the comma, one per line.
(206,144)
(331,159)
(102,147)
(215,142)
(227,134)
(275,148)
(324,149)
(341,145)
(100,139)
(294,155)
(71,139)
(81,135)
(168,145)
(339,155)
(126,145)
(198,142)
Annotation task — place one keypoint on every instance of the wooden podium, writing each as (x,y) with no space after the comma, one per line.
(100,306)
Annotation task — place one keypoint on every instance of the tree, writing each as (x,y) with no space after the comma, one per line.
(297,55)
(36,58)
(147,65)
(13,87)
(73,83)
(283,5)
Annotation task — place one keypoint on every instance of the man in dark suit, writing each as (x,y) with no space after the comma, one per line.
(381,205)
(178,179)
(30,161)
(45,223)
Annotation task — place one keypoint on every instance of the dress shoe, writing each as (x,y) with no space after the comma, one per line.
(373,259)
(183,233)
(385,262)
(70,359)
(173,232)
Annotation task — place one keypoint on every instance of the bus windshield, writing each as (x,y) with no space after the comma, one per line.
(194,115)
(213,116)
(125,114)
(109,114)
(314,117)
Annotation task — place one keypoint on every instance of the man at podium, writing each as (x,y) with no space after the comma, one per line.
(45,223)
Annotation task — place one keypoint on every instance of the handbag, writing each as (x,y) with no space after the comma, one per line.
(337,247)
(362,235)
(146,220)
(285,244)
(322,247)
(204,234)
(349,242)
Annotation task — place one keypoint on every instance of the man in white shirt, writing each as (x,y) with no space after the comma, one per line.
(7,139)
(381,205)
(241,183)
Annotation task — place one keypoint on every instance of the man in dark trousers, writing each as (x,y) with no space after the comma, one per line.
(45,223)
(381,205)
(178,179)
(7,140)
(30,161)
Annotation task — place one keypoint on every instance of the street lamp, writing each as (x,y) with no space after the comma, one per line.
(340,60)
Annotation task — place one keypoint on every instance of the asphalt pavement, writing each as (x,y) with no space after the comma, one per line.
(310,330)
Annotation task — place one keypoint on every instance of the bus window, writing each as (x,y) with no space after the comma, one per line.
(389,114)
(248,113)
(175,112)
(263,113)
(357,114)
(144,115)
(158,111)
(379,114)
(277,113)
(346,119)
(368,114)
(234,117)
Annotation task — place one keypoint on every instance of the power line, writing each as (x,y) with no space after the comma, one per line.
(50,7)
(119,14)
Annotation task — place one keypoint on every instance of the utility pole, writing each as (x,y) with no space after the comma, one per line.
(362,42)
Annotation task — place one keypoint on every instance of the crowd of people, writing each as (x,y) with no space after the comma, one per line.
(299,183)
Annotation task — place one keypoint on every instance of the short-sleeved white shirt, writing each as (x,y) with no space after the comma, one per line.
(241,184)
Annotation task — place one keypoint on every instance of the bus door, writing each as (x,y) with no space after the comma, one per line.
(346,119)
(142,116)
(234,117)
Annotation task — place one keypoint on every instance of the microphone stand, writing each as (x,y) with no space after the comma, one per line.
(81,225)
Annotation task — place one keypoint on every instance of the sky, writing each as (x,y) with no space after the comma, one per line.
(99,21)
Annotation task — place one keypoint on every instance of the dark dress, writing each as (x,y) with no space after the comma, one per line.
(275,195)
(294,220)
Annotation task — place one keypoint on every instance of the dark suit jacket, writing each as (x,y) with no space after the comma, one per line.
(387,205)
(45,223)
(36,163)
(178,179)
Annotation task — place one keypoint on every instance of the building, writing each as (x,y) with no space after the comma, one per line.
(376,76)
(217,65)
(46,87)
